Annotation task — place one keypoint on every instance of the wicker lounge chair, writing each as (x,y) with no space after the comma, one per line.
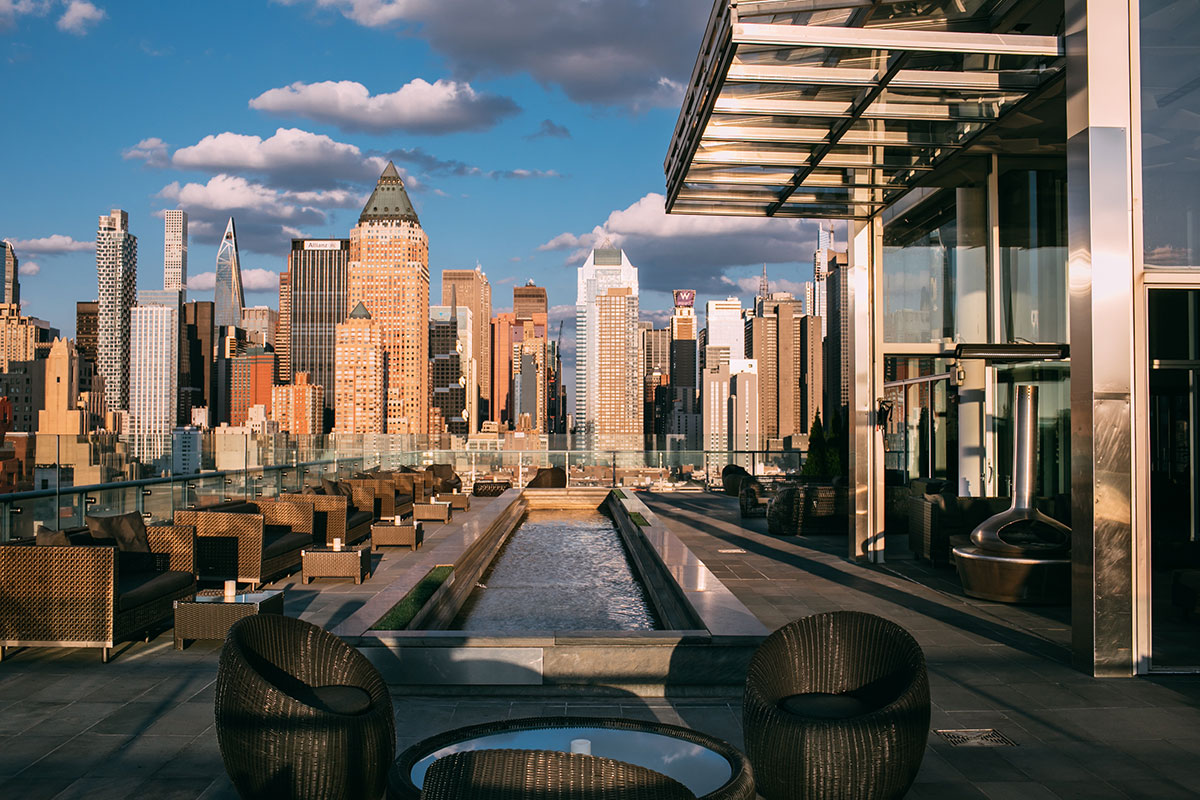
(446,480)
(301,714)
(546,775)
(253,542)
(334,518)
(731,479)
(836,706)
(84,594)
(548,478)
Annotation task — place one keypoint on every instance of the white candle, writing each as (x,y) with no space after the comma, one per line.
(230,589)
(583,746)
(337,545)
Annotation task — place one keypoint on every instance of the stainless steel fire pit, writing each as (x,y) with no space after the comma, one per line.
(1020,555)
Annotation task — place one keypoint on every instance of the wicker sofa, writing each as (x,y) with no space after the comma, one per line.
(807,509)
(251,543)
(334,518)
(85,594)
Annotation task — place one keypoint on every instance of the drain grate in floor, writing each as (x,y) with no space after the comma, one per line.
(733,551)
(976,737)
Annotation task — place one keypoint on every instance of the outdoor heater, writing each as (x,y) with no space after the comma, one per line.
(1020,555)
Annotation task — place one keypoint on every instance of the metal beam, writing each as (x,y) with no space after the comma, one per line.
(941,112)
(794,134)
(905,79)
(897,40)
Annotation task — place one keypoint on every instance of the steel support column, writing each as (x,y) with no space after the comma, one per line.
(865,346)
(1102,282)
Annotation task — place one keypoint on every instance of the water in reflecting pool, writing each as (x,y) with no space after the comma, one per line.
(559,571)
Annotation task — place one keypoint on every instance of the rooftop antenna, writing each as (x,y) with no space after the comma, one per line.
(764,286)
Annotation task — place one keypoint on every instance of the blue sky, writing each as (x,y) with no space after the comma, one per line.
(528,130)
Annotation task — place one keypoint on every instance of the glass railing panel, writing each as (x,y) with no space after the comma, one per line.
(158,501)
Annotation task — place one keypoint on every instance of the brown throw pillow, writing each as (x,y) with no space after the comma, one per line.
(128,531)
(49,538)
(329,486)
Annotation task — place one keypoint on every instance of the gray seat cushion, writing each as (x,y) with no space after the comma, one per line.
(138,588)
(821,705)
(356,518)
(278,541)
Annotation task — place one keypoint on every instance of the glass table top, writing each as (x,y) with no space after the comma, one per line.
(695,766)
(218,596)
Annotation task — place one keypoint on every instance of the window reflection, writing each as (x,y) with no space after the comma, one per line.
(1033,253)
(1170,33)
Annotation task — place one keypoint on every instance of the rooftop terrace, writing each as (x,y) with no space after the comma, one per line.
(143,724)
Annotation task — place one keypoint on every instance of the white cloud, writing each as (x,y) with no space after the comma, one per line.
(29,268)
(79,17)
(445,106)
(631,53)
(54,245)
(153,151)
(692,251)
(10,10)
(749,284)
(253,280)
(267,218)
(290,158)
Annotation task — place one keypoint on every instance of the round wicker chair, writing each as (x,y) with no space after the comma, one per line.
(731,479)
(544,775)
(301,714)
(836,706)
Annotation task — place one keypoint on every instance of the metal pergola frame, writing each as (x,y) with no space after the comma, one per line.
(785,151)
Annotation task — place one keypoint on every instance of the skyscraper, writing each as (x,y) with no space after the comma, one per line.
(18,336)
(317,302)
(731,411)
(199,354)
(116,277)
(473,291)
(252,376)
(389,275)
(299,407)
(773,338)
(12,275)
(608,373)
(812,371)
(175,250)
(529,299)
(360,374)
(87,329)
(154,373)
(453,370)
(837,343)
(723,320)
(228,292)
(685,423)
(656,377)
(283,331)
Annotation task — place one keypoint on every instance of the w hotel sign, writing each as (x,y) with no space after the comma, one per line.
(685,298)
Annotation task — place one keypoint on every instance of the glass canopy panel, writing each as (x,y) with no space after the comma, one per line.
(882,106)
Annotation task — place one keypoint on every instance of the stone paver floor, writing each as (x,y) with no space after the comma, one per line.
(142,725)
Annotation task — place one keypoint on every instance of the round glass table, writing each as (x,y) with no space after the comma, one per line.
(711,768)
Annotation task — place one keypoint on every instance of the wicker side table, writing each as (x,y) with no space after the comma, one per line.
(458,502)
(431,512)
(210,614)
(389,534)
(325,562)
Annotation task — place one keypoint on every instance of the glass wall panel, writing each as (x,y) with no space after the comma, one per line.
(1174,320)
(1054,432)
(921,437)
(935,268)
(1170,32)
(1033,254)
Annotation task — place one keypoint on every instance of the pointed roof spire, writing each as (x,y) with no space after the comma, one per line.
(389,201)
(360,312)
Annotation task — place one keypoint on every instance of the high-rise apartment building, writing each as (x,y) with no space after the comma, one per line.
(723,321)
(360,374)
(773,339)
(153,373)
(116,277)
(470,288)
(19,336)
(61,415)
(12,275)
(685,424)
(87,329)
(656,382)
(260,323)
(453,369)
(812,371)
(389,275)
(526,382)
(283,331)
(175,251)
(228,295)
(197,374)
(837,342)
(316,301)
(530,299)
(299,407)
(252,376)
(608,372)
(731,421)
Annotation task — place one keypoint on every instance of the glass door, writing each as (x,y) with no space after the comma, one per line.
(1174,328)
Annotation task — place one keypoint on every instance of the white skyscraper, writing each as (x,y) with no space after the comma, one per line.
(175,250)
(154,373)
(116,276)
(731,413)
(815,302)
(608,372)
(723,319)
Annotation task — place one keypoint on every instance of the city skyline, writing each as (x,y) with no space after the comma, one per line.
(296,151)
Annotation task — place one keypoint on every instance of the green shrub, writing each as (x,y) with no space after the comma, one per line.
(403,612)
